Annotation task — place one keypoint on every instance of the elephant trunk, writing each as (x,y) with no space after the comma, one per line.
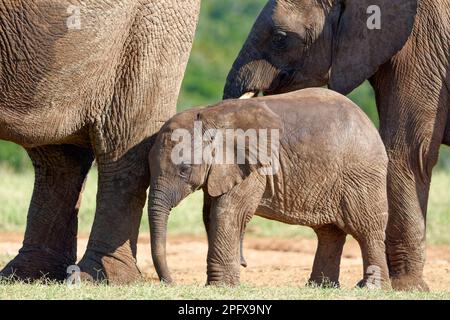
(242,78)
(248,77)
(159,212)
(251,72)
(234,87)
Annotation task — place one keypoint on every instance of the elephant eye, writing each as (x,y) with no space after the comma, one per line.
(279,40)
(185,170)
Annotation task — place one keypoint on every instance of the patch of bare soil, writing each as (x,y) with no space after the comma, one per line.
(272,262)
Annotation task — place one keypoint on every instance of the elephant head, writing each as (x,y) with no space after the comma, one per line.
(184,158)
(312,43)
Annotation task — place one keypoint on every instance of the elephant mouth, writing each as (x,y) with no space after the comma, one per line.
(282,83)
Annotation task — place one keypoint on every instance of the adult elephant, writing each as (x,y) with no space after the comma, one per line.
(307,43)
(85,80)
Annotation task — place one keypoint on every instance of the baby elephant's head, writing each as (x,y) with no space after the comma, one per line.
(207,148)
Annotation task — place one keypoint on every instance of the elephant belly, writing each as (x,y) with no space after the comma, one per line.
(59,71)
(293,215)
(264,211)
(307,191)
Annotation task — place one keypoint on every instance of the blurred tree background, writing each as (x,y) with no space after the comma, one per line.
(223,27)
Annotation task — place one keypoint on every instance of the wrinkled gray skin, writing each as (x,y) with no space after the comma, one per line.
(332,178)
(307,43)
(71,95)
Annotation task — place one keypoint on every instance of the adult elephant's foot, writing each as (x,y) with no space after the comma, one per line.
(409,283)
(406,267)
(406,264)
(117,267)
(50,243)
(37,263)
(223,275)
(224,282)
(122,186)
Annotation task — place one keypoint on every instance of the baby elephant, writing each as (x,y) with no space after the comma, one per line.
(308,158)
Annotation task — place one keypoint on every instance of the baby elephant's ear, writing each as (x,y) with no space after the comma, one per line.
(251,119)
(224,177)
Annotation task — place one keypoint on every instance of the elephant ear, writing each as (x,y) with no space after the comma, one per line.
(360,50)
(224,177)
(242,116)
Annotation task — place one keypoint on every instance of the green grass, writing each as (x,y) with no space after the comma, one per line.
(144,291)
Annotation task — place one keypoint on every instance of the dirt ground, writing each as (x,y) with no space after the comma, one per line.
(272,262)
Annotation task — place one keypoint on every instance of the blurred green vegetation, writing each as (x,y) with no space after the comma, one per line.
(224,26)
(14,156)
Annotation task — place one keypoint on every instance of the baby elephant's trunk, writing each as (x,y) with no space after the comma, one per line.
(158,217)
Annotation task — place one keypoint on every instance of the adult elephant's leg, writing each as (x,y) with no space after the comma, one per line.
(144,97)
(122,139)
(408,189)
(122,186)
(412,127)
(50,238)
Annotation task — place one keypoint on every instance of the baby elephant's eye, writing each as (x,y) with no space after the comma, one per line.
(185,170)
(279,40)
